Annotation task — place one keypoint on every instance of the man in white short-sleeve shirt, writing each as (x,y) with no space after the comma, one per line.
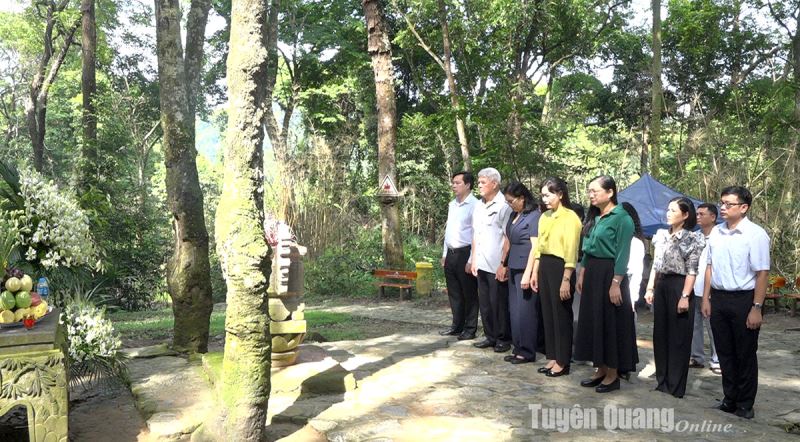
(489,222)
(735,288)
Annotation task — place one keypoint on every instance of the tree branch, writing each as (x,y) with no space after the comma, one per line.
(56,65)
(418,37)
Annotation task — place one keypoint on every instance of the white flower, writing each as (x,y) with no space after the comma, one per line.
(53,223)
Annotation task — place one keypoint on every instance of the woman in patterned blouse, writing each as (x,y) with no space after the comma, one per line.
(670,288)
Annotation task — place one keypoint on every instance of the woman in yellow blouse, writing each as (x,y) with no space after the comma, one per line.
(554,274)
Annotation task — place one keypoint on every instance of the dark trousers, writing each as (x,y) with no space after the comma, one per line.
(524,311)
(462,289)
(556,314)
(736,345)
(672,335)
(493,302)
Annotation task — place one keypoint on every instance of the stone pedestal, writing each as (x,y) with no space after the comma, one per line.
(286,311)
(33,373)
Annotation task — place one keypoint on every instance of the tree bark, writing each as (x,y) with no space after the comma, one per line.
(195,38)
(548,95)
(46,72)
(88,172)
(656,98)
(455,99)
(188,278)
(278,132)
(380,50)
(244,253)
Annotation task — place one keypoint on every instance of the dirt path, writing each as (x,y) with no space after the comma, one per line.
(104,414)
(100,415)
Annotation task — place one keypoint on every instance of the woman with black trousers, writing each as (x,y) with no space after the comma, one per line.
(606,334)
(671,288)
(518,246)
(555,258)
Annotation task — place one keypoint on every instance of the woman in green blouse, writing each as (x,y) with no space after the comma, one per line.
(606,334)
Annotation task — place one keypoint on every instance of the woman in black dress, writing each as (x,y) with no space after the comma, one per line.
(606,334)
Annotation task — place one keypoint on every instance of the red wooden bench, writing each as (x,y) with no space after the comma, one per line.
(775,283)
(792,298)
(395,278)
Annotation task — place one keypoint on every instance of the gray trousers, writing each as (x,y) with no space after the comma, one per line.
(698,348)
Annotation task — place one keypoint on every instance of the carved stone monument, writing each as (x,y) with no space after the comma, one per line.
(286,311)
(33,373)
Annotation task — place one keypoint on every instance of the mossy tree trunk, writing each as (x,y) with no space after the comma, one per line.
(241,243)
(188,271)
(380,49)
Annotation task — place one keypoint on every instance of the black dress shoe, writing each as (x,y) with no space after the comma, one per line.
(542,370)
(466,336)
(450,332)
(554,374)
(591,382)
(509,358)
(502,348)
(483,344)
(727,407)
(745,413)
(605,388)
(516,361)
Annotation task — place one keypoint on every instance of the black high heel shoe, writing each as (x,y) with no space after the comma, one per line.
(554,374)
(605,388)
(592,382)
(542,370)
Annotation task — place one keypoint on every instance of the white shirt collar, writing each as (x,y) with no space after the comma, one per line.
(742,227)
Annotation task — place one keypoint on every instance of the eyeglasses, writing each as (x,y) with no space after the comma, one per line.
(728,205)
(592,192)
(512,201)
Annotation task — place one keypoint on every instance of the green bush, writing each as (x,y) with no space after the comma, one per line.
(346,271)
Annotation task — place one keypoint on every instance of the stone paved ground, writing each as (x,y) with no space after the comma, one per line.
(427,387)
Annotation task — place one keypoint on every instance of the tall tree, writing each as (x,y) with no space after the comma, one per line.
(446,64)
(58,36)
(88,90)
(278,132)
(787,15)
(188,270)
(380,49)
(241,244)
(656,97)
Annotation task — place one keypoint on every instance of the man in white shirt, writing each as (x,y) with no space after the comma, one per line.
(489,222)
(462,287)
(706,220)
(734,292)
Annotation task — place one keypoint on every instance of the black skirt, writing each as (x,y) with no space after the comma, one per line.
(606,332)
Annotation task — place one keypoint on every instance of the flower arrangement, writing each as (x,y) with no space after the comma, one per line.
(93,344)
(90,334)
(51,228)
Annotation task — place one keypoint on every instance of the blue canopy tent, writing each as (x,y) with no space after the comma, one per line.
(651,197)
